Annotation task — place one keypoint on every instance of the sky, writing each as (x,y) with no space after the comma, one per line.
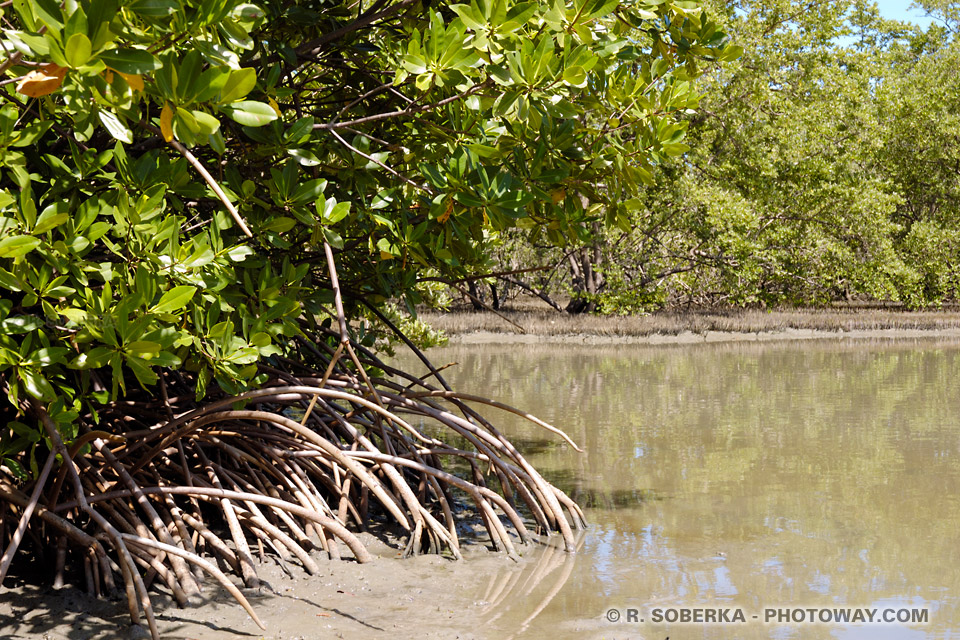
(897,10)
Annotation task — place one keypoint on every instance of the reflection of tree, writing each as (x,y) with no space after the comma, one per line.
(825,472)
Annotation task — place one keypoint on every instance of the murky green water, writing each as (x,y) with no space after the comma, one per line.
(745,476)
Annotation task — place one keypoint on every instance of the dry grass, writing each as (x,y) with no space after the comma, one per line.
(673,323)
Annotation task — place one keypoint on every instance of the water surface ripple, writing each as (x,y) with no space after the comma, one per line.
(743,476)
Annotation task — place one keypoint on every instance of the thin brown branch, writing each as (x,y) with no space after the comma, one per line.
(314,47)
(409,111)
(192,159)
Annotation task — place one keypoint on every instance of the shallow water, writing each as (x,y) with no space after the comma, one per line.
(739,477)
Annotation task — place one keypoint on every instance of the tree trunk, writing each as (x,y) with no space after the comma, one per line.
(585,279)
(494,298)
(475,296)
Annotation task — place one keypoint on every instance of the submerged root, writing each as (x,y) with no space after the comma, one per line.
(175,490)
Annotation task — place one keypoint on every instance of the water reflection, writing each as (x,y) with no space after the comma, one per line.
(743,475)
(522,593)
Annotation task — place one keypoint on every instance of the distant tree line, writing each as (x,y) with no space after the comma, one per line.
(823,165)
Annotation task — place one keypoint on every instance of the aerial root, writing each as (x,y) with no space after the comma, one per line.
(173,492)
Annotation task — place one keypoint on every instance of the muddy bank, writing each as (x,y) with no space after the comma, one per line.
(390,598)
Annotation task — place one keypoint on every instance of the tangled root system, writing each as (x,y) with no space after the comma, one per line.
(171,490)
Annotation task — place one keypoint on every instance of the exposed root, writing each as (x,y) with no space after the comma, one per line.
(177,489)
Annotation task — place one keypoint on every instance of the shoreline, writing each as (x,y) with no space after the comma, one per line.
(482,337)
(528,326)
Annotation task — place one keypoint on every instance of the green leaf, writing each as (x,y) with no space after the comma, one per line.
(247,12)
(15,468)
(299,130)
(280,224)
(201,257)
(49,12)
(469,17)
(304,157)
(20,324)
(37,385)
(49,219)
(163,359)
(174,299)
(141,370)
(731,53)
(29,44)
(77,316)
(675,148)
(333,211)
(26,14)
(244,355)
(575,76)
(250,113)
(203,379)
(414,64)
(309,191)
(18,246)
(141,347)
(208,124)
(99,15)
(116,128)
(93,359)
(333,238)
(78,50)
(238,85)
(239,254)
(130,61)
(48,356)
(31,133)
(154,8)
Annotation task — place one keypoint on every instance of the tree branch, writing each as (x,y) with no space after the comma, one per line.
(314,47)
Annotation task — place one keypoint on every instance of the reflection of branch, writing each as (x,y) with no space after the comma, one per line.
(547,565)
(502,595)
(568,561)
(495,587)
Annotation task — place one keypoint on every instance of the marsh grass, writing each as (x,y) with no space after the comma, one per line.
(552,323)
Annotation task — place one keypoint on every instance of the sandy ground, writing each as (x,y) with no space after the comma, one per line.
(389,598)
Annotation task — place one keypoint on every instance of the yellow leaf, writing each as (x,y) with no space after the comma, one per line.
(108,76)
(42,81)
(385,256)
(135,81)
(446,214)
(166,122)
(558,195)
(276,107)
